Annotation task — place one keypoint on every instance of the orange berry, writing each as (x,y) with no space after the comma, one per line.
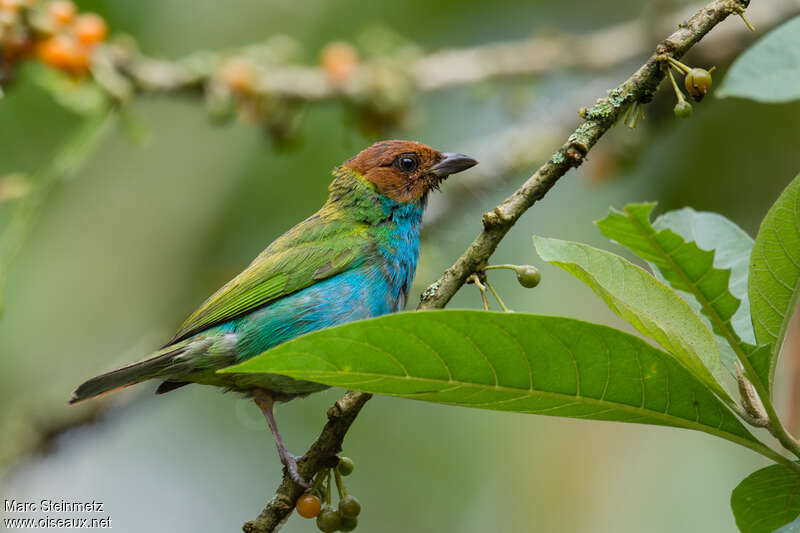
(90,28)
(339,60)
(308,506)
(238,76)
(63,52)
(62,11)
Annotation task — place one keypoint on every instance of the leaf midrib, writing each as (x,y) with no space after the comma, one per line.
(682,422)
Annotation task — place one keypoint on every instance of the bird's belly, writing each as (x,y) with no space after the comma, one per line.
(353,295)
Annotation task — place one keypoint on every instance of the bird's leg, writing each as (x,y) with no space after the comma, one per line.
(265,402)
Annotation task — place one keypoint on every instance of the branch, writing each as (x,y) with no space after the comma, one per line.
(639,87)
(537,55)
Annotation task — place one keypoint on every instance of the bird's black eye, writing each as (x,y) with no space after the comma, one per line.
(406,163)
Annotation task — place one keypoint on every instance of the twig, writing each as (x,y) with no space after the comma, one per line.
(639,87)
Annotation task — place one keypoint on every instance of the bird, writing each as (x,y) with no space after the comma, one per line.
(355,258)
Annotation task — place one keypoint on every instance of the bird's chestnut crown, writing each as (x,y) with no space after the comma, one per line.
(406,171)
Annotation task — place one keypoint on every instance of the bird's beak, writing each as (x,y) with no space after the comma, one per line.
(452,163)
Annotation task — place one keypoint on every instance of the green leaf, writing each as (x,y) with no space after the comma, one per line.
(768,71)
(509,362)
(774,282)
(705,256)
(766,499)
(646,303)
(732,247)
(682,264)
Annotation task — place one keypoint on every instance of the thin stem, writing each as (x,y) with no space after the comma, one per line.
(678,92)
(497,297)
(747,22)
(339,484)
(482,288)
(318,481)
(678,65)
(497,267)
(328,488)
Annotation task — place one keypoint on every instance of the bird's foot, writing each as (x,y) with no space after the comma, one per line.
(290,465)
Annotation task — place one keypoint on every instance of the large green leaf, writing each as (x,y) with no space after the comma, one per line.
(646,303)
(510,362)
(766,499)
(703,255)
(774,282)
(768,71)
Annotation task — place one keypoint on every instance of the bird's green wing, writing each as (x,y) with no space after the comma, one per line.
(313,250)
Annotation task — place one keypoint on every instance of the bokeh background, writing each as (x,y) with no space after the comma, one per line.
(145,231)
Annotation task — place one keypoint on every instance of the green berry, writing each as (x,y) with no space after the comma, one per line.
(345,466)
(528,276)
(328,520)
(697,82)
(683,109)
(348,523)
(349,507)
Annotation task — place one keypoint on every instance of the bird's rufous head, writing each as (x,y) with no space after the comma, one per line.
(406,171)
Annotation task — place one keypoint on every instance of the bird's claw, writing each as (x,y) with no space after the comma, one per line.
(290,464)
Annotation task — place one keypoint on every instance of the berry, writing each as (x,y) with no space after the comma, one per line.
(63,52)
(90,28)
(349,507)
(683,109)
(348,524)
(328,520)
(528,276)
(697,82)
(62,11)
(345,466)
(308,506)
(339,60)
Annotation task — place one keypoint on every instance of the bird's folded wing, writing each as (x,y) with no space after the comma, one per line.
(310,252)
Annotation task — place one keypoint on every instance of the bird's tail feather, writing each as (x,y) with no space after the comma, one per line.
(127,375)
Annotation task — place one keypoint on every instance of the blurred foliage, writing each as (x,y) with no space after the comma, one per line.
(767,71)
(122,252)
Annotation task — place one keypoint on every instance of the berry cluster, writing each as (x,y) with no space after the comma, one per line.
(310,504)
(697,82)
(53,32)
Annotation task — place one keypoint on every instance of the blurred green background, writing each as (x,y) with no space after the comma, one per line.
(143,233)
